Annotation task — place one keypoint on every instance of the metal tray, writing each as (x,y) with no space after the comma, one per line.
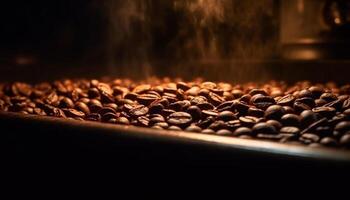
(31,137)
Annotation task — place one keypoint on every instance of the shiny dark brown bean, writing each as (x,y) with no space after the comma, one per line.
(290,120)
(195,112)
(181,119)
(274,112)
(66,103)
(223,132)
(139,110)
(248,121)
(345,140)
(308,138)
(328,112)
(264,128)
(123,120)
(226,116)
(193,128)
(108,116)
(69,112)
(94,105)
(290,130)
(287,100)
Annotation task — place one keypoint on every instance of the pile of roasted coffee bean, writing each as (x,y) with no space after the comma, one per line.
(302,113)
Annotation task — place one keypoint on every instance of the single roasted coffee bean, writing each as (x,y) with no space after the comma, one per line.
(107,116)
(300,107)
(290,130)
(174,128)
(264,128)
(308,138)
(328,112)
(328,97)
(316,91)
(69,112)
(139,110)
(341,128)
(195,112)
(288,110)
(324,131)
(290,120)
(217,125)
(275,123)
(224,132)
(257,91)
(94,105)
(287,100)
(255,112)
(346,104)
(241,107)
(164,125)
(274,112)
(307,101)
(122,120)
(329,141)
(226,106)
(242,131)
(248,121)
(305,93)
(208,131)
(193,128)
(226,116)
(307,117)
(209,113)
(147,99)
(181,119)
(345,140)
(337,104)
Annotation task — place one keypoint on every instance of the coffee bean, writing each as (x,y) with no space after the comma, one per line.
(183,86)
(107,116)
(290,120)
(69,112)
(217,125)
(274,112)
(307,117)
(328,97)
(255,112)
(328,112)
(257,91)
(66,103)
(226,106)
(208,131)
(226,116)
(307,101)
(181,119)
(264,127)
(287,100)
(288,110)
(195,112)
(193,128)
(275,123)
(224,132)
(346,104)
(123,120)
(308,138)
(94,93)
(248,121)
(209,113)
(142,88)
(316,91)
(341,128)
(328,141)
(290,130)
(345,140)
(94,105)
(320,102)
(241,107)
(242,131)
(139,110)
(300,107)
(305,93)
(105,110)
(147,99)
(163,125)
(174,128)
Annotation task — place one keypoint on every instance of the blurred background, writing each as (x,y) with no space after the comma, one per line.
(218,39)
